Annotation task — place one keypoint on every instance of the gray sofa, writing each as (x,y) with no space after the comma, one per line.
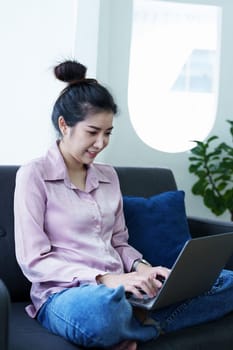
(19,332)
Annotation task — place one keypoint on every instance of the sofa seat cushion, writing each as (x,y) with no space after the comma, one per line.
(27,334)
(157,225)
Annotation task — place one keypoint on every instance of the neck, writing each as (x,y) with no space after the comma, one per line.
(72,164)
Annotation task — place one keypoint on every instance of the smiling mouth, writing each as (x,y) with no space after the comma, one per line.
(92,154)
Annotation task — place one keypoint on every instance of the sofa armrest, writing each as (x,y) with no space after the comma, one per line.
(204,227)
(4,316)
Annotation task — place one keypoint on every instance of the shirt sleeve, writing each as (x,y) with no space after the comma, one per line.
(38,259)
(120,237)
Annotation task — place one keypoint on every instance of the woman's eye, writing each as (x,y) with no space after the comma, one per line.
(108,133)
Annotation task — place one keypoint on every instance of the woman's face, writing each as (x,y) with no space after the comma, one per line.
(82,143)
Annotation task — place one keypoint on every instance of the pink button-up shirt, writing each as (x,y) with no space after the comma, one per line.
(65,237)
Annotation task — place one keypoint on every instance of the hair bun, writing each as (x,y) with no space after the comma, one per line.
(70,71)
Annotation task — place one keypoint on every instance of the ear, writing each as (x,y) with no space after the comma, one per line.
(62,125)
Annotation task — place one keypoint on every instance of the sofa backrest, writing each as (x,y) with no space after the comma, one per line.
(133,181)
(145,181)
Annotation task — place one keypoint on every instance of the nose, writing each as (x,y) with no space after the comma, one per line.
(100,142)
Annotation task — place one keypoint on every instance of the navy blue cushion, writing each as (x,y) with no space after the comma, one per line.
(157,226)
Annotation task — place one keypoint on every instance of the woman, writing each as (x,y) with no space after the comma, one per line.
(71,239)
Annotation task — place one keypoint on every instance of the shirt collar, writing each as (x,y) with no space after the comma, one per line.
(94,177)
(55,169)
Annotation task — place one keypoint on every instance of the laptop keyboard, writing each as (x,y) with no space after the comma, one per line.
(144,300)
(132,298)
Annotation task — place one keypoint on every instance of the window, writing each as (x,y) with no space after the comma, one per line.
(197,73)
(174,72)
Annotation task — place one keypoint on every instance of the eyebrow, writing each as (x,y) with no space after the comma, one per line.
(96,128)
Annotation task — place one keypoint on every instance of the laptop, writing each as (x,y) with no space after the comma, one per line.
(194,272)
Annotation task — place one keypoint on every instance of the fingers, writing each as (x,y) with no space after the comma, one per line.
(139,285)
(150,282)
(160,271)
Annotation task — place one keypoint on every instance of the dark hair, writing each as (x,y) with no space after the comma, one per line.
(81,97)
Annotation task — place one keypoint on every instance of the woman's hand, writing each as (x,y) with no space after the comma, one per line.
(145,280)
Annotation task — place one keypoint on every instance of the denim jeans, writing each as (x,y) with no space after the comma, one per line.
(97,316)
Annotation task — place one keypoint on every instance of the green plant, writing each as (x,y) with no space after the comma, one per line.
(214,168)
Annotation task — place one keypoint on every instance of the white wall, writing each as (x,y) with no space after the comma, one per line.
(87,34)
(34,36)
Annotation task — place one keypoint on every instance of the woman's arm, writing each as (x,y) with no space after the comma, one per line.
(39,260)
(120,237)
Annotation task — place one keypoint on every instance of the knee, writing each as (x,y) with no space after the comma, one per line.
(110,307)
(109,316)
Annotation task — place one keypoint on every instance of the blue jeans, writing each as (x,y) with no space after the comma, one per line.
(97,316)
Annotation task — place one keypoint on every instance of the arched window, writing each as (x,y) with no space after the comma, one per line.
(174,72)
